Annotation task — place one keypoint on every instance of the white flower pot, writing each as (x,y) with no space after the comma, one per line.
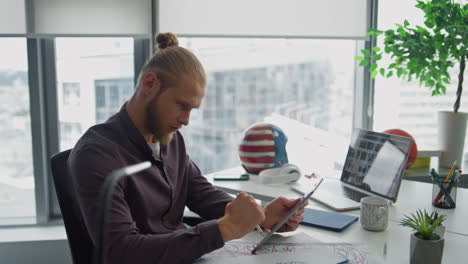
(451,133)
(426,251)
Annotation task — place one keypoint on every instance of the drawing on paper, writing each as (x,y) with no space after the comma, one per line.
(354,253)
(241,248)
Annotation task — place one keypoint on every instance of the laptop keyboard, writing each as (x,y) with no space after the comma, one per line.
(353,194)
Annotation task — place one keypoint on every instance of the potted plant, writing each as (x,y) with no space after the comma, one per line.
(440,229)
(426,53)
(426,247)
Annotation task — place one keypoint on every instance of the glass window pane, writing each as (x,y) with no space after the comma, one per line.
(304,86)
(94,78)
(406,105)
(17,197)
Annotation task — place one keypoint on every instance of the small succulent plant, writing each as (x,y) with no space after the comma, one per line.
(423,223)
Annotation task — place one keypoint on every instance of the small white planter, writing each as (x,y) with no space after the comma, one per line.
(451,133)
(426,251)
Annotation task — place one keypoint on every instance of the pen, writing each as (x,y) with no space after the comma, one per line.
(449,175)
(343,262)
(434,174)
(385,249)
(453,180)
(260,230)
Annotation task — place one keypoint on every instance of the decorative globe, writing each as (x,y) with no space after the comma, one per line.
(263,146)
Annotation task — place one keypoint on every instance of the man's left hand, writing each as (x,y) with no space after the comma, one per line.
(278,209)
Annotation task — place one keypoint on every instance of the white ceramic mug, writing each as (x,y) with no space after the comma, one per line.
(374,213)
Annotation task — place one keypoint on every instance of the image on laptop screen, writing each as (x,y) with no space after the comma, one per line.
(376,162)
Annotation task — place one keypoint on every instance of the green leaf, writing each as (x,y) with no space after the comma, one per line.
(377,57)
(406,23)
(374,73)
(430,83)
(364,62)
(376,49)
(359,58)
(382,72)
(389,74)
(366,52)
(444,89)
(373,67)
(399,72)
(429,23)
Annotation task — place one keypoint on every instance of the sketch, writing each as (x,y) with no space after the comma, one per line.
(286,253)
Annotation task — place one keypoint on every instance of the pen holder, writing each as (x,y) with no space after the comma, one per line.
(444,194)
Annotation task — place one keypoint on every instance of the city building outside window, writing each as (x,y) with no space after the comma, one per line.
(95,77)
(17,197)
(300,82)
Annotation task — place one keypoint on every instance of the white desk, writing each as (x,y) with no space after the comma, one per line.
(412,196)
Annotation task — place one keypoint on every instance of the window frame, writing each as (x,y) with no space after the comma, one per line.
(44,107)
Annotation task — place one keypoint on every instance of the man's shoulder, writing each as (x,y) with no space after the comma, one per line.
(97,140)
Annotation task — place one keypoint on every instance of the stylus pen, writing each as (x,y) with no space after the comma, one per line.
(260,230)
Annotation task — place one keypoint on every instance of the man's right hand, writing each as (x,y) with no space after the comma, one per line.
(240,217)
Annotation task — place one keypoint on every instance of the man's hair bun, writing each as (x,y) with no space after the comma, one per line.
(164,40)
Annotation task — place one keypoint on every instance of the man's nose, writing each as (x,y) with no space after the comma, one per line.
(185,118)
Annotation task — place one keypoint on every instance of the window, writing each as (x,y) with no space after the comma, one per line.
(399,104)
(292,81)
(95,77)
(115,91)
(71,94)
(17,198)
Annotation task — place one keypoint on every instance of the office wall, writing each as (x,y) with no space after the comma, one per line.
(37,252)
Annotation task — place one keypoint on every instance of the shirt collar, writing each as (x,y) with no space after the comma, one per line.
(132,131)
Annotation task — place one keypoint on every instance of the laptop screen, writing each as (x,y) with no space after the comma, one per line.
(375,162)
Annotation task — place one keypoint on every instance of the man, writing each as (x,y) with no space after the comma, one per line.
(145,217)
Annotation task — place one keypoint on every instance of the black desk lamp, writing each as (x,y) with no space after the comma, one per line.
(105,199)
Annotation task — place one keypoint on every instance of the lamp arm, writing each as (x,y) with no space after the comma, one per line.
(105,199)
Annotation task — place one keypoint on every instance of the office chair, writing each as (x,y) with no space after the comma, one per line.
(81,245)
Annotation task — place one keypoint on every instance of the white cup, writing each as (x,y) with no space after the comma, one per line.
(374,213)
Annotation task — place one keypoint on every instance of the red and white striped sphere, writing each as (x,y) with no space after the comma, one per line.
(263,147)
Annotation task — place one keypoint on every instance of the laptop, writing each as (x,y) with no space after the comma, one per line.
(374,166)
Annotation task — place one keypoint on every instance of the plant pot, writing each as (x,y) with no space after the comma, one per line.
(426,251)
(440,230)
(451,133)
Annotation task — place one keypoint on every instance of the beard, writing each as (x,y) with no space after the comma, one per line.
(153,124)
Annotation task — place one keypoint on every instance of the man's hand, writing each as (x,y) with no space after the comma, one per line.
(278,209)
(240,217)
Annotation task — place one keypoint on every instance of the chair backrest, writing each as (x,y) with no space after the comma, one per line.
(80,242)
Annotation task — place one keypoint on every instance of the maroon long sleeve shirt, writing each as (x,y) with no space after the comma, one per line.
(145,222)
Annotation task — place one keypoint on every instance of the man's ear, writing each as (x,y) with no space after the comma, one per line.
(150,84)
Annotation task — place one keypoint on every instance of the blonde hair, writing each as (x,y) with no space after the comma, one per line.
(171,62)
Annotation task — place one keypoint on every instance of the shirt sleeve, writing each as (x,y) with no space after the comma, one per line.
(203,198)
(126,244)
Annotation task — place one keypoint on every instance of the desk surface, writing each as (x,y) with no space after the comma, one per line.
(412,196)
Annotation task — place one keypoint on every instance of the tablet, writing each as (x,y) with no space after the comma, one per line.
(285,219)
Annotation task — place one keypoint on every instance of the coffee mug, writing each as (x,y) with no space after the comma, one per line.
(374,213)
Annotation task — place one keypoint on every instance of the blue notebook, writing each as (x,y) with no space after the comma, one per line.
(327,220)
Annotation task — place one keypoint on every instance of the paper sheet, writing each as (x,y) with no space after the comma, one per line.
(298,248)
(304,256)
